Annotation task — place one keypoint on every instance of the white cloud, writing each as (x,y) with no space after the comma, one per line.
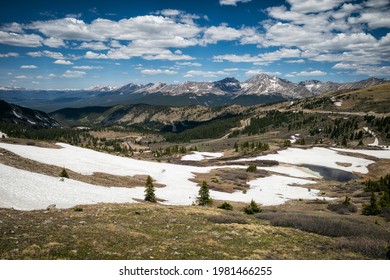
(207,74)
(314,6)
(96,46)
(246,35)
(9,54)
(170,12)
(306,73)
(63,62)
(358,69)
(237,58)
(73,74)
(157,71)
(373,18)
(193,64)
(147,28)
(51,75)
(261,59)
(253,72)
(28,67)
(54,42)
(296,61)
(21,77)
(87,67)
(12,27)
(127,52)
(232,2)
(20,40)
(55,55)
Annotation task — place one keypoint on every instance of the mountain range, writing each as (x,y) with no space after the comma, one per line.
(11,113)
(259,89)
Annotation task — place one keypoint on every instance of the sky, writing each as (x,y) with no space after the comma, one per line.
(80,44)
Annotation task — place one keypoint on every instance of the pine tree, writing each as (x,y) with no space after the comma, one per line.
(63,173)
(149,190)
(204,198)
(373,208)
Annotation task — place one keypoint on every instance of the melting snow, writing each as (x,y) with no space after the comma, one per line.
(317,156)
(26,190)
(385,154)
(198,156)
(3,135)
(272,190)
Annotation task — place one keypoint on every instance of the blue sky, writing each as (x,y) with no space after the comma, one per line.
(79,44)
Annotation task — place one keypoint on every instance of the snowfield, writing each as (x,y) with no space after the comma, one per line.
(26,190)
(199,156)
(317,156)
(384,154)
(272,190)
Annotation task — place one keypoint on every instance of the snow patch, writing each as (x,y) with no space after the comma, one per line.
(3,135)
(17,115)
(316,156)
(199,156)
(383,154)
(26,190)
(272,190)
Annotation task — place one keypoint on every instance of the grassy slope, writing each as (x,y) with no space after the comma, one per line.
(145,231)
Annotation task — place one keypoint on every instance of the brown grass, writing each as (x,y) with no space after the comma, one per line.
(228,180)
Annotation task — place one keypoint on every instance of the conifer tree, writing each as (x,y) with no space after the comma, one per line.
(372,208)
(63,173)
(149,190)
(204,198)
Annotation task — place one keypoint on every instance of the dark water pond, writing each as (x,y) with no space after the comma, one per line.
(332,173)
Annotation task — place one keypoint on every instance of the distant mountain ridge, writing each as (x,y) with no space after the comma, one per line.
(10,113)
(258,89)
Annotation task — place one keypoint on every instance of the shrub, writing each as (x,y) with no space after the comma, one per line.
(63,173)
(251,168)
(333,226)
(78,209)
(345,207)
(252,208)
(226,206)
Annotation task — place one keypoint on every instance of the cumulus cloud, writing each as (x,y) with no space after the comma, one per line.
(54,42)
(87,67)
(192,64)
(206,74)
(55,55)
(158,71)
(358,69)
(9,54)
(306,73)
(28,67)
(232,2)
(74,74)
(314,6)
(20,40)
(253,72)
(96,46)
(127,52)
(63,62)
